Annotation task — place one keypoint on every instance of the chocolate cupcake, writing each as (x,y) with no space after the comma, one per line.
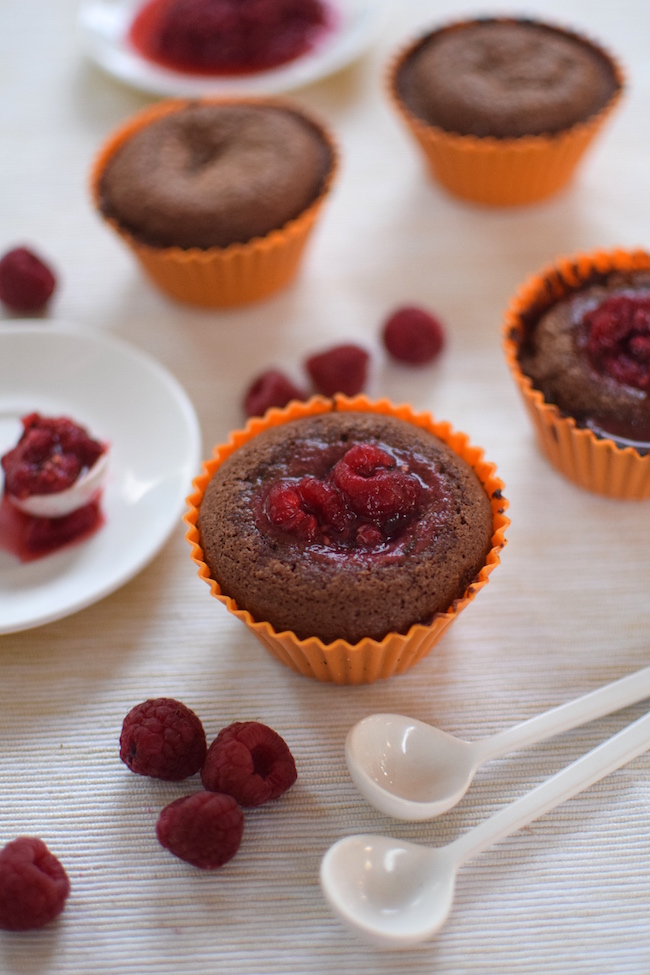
(504,107)
(577,340)
(346,534)
(216,198)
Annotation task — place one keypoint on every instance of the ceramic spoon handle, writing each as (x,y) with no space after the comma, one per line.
(595,765)
(635,687)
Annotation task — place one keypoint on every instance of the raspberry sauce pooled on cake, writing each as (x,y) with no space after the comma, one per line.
(52,484)
(590,355)
(224,37)
(345,525)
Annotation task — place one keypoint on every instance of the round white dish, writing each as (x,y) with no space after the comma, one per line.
(103,25)
(128,400)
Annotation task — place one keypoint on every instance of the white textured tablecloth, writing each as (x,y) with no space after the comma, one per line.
(565,612)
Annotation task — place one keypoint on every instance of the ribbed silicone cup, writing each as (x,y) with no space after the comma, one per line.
(501,172)
(218,277)
(341,662)
(592,462)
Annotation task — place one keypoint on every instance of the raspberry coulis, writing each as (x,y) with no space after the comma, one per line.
(225,37)
(367,498)
(52,453)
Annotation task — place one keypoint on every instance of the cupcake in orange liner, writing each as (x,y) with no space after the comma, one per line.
(485,166)
(605,463)
(368,659)
(229,274)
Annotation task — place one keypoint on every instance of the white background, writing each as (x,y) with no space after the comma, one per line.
(565,612)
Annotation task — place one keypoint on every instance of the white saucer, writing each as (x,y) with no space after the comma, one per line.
(103,28)
(125,398)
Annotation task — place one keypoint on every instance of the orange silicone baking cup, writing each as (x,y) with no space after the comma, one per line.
(219,277)
(502,172)
(592,462)
(364,662)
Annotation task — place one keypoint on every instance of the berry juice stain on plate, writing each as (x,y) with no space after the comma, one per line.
(57,370)
(163,46)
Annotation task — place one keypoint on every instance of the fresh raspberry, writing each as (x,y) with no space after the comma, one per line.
(205,829)
(272,388)
(26,282)
(163,738)
(250,762)
(413,335)
(33,885)
(323,499)
(309,508)
(618,339)
(284,508)
(373,484)
(341,369)
(49,457)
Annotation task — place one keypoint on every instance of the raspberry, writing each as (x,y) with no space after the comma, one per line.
(272,388)
(323,499)
(341,369)
(618,339)
(374,486)
(33,885)
(284,508)
(49,457)
(162,738)
(309,508)
(26,283)
(204,829)
(413,335)
(250,762)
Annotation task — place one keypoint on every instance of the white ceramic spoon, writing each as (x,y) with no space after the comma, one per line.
(410,770)
(397,894)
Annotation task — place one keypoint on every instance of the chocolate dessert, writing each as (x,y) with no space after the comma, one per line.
(589,354)
(345,525)
(506,78)
(209,175)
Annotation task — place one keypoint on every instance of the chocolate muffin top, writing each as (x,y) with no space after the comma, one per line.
(209,175)
(345,525)
(589,354)
(505,78)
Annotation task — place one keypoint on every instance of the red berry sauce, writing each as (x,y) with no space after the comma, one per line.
(52,453)
(224,37)
(366,498)
(618,339)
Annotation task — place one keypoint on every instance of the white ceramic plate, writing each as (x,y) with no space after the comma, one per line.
(125,398)
(103,28)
